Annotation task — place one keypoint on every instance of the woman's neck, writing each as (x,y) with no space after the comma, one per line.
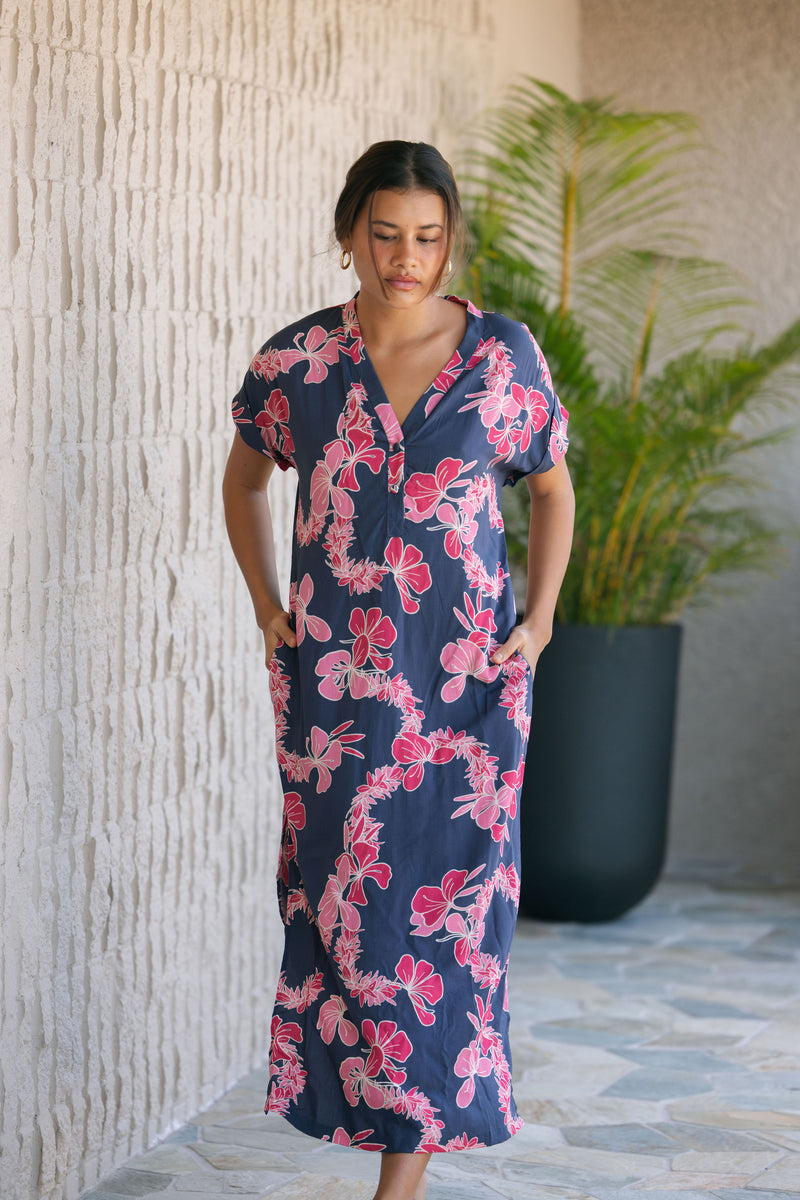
(384,327)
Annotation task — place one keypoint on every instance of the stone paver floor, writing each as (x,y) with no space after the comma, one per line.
(656,1057)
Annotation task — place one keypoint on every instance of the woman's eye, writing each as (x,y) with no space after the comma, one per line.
(388,237)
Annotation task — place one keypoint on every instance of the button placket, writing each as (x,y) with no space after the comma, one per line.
(396,466)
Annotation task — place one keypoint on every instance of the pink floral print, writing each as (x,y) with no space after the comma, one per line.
(400,744)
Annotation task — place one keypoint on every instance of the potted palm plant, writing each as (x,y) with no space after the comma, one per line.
(575,213)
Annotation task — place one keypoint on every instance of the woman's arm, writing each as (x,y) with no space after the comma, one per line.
(549,544)
(249,523)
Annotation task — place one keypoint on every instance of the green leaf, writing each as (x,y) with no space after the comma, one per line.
(577,229)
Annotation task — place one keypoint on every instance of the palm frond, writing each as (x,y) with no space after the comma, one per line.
(644,308)
(575,179)
(577,227)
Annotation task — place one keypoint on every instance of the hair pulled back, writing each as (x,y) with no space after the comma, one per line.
(400,166)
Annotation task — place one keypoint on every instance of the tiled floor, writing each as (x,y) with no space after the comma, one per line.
(658,1057)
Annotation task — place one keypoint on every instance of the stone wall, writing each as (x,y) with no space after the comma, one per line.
(733,63)
(167,175)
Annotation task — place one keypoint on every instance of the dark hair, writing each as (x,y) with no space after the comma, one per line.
(399,166)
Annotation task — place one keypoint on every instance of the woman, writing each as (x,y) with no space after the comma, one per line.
(400,682)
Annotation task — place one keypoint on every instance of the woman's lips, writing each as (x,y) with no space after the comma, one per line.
(403,283)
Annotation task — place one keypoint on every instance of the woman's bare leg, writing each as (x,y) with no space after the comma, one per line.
(402,1177)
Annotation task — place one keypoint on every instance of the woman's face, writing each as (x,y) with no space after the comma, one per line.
(402,243)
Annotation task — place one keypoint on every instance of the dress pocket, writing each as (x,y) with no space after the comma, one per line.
(522,659)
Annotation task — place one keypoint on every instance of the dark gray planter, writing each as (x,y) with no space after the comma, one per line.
(596,791)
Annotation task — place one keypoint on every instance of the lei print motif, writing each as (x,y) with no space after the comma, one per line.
(400,744)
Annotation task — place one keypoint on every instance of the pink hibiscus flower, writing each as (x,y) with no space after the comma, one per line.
(424,492)
(410,573)
(276,414)
(478,621)
(342,1138)
(467,936)
(294,817)
(326,749)
(325,755)
(388,1046)
(431,905)
(462,528)
(487,1039)
(534,407)
(332,1022)
(504,437)
(498,405)
(448,375)
(492,808)
(423,985)
(299,599)
(558,433)
(365,866)
(465,657)
(324,491)
(396,467)
(334,669)
(363,450)
(359,1084)
(283,1034)
(416,750)
(390,423)
(470,1063)
(334,907)
(373,632)
(320,351)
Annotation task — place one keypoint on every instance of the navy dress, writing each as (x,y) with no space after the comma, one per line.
(400,745)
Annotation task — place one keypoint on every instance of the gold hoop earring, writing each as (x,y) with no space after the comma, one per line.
(345,255)
(449,266)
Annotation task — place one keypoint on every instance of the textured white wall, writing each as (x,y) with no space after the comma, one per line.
(167,175)
(734,64)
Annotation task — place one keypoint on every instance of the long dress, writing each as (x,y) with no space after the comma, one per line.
(400,745)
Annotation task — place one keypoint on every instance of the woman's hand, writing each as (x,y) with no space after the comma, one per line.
(525,640)
(277,630)
(549,541)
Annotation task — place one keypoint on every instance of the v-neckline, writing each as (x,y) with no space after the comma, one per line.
(395,431)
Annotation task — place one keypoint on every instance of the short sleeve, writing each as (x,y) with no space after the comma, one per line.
(261,410)
(537,436)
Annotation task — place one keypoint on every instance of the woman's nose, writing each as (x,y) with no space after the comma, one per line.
(404,251)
